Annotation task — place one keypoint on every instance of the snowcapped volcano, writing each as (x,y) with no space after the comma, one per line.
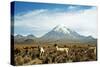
(62,33)
(59,34)
(62,29)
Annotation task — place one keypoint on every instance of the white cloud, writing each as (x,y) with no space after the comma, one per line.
(73,7)
(42,21)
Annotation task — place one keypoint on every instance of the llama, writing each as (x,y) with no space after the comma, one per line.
(41,51)
(62,49)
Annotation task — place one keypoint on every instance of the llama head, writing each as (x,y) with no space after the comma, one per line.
(55,45)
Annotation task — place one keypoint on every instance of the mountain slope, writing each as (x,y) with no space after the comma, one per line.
(62,33)
(59,34)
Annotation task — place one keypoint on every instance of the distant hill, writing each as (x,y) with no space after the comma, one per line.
(24,39)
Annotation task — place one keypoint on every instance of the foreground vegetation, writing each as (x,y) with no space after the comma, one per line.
(26,54)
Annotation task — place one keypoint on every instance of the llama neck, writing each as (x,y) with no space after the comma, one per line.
(57,47)
(41,48)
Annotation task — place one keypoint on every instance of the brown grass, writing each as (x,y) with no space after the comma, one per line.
(29,54)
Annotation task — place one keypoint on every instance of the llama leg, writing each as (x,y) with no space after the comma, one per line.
(67,52)
(40,53)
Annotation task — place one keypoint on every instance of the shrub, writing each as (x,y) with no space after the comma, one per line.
(19,60)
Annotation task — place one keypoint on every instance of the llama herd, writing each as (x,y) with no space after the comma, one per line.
(56,53)
(65,49)
(41,49)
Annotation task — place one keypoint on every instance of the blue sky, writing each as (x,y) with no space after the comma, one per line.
(23,7)
(39,18)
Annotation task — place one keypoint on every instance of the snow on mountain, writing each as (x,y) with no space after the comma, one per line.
(62,29)
(61,32)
